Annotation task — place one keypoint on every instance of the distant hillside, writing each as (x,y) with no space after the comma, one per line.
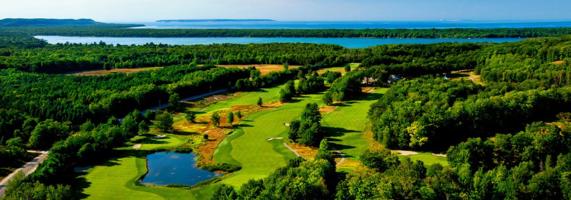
(20,22)
(216,20)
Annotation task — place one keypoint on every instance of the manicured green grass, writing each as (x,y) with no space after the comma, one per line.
(346,124)
(258,156)
(117,180)
(224,150)
(112,181)
(428,159)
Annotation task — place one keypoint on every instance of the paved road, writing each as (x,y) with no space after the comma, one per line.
(27,169)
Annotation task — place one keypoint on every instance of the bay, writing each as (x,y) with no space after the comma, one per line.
(345,42)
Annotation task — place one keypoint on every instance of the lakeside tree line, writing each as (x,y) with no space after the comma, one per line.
(118,31)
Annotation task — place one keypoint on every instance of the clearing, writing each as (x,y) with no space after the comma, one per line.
(104,72)
(467,75)
(264,68)
(339,69)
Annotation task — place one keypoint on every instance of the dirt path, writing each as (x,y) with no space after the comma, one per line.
(27,169)
(292,150)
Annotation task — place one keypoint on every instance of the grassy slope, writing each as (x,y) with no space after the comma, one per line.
(346,124)
(243,98)
(258,156)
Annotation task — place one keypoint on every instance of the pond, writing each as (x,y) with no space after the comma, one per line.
(345,42)
(172,168)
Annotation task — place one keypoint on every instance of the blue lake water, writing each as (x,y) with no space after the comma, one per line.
(353,24)
(171,168)
(345,42)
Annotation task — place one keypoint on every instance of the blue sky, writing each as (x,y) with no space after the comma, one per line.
(391,10)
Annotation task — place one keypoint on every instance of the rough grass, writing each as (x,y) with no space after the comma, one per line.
(338,69)
(467,75)
(264,68)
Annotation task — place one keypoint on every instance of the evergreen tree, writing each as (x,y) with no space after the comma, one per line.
(215,119)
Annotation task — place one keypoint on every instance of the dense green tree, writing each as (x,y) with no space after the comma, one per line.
(48,132)
(327,99)
(215,119)
(379,160)
(308,130)
(260,102)
(174,101)
(164,121)
(347,68)
(225,192)
(230,118)
(190,117)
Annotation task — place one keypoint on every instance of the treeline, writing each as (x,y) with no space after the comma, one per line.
(36,97)
(59,97)
(329,33)
(66,58)
(299,180)
(432,114)
(18,41)
(89,144)
(525,81)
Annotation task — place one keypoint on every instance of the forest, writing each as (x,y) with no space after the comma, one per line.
(499,112)
(122,31)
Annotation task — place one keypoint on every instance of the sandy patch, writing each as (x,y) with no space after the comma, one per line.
(263,68)
(404,152)
(327,109)
(439,155)
(368,90)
